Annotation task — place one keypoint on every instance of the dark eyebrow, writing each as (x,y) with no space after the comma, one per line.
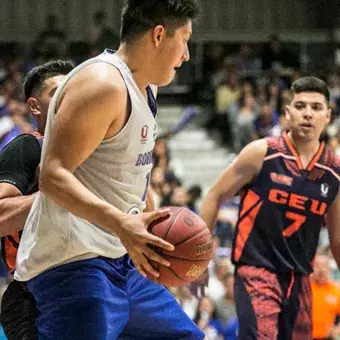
(311,103)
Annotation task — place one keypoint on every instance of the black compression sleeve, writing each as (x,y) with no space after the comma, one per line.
(19,161)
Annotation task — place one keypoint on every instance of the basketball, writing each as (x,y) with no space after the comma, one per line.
(193,247)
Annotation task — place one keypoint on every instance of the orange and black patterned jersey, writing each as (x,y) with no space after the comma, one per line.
(18,164)
(283,209)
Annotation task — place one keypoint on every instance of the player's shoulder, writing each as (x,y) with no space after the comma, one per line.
(330,159)
(276,144)
(257,147)
(253,154)
(98,76)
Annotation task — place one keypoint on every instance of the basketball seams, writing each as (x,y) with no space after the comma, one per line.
(197,232)
(172,223)
(180,278)
(183,259)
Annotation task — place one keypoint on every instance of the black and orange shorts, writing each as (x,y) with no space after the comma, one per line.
(272,306)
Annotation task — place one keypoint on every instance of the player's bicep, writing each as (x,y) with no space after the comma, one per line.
(333,221)
(242,170)
(83,118)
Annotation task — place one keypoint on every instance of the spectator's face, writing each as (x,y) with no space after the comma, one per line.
(39,104)
(206,305)
(229,286)
(222,267)
(321,270)
(249,100)
(13,107)
(333,143)
(247,88)
(179,197)
(274,89)
(308,114)
(266,110)
(232,79)
(157,176)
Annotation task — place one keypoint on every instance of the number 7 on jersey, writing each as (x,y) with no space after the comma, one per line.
(298,221)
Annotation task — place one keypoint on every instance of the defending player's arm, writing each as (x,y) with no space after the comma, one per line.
(94,108)
(239,173)
(333,225)
(18,171)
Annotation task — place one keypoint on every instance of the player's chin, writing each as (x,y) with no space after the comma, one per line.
(166,80)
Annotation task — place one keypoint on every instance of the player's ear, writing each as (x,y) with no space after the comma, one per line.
(329,115)
(158,34)
(33,106)
(287,112)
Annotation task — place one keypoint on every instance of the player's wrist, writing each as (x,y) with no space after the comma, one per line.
(115,220)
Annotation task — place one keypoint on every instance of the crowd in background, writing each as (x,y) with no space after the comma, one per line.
(246,93)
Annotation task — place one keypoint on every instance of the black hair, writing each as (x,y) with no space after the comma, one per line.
(139,16)
(309,84)
(34,80)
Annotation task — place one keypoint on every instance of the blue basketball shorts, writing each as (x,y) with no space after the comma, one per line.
(106,299)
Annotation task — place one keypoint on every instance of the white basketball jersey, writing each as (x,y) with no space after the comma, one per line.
(118,171)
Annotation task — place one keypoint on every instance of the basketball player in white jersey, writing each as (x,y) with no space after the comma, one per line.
(84,251)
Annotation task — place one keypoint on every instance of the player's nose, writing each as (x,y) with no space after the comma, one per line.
(186,55)
(308,112)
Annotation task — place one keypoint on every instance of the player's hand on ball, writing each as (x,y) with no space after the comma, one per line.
(136,239)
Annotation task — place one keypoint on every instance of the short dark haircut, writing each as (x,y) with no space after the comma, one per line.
(139,16)
(34,80)
(309,84)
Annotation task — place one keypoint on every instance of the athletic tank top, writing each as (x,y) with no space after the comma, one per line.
(118,171)
(283,209)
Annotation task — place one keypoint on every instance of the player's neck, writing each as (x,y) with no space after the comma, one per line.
(305,148)
(138,66)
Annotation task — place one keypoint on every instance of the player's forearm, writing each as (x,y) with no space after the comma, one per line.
(67,191)
(209,209)
(150,202)
(13,213)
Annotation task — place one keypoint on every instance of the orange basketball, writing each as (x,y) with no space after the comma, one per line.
(193,247)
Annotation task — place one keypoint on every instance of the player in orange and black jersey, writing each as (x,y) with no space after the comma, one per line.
(291,187)
(19,171)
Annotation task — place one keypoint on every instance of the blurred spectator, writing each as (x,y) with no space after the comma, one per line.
(326,301)
(226,222)
(51,42)
(194,194)
(225,307)
(279,127)
(245,122)
(231,329)
(212,61)
(101,35)
(226,94)
(179,197)
(267,119)
(158,186)
(216,288)
(161,153)
(276,57)
(333,143)
(206,319)
(245,62)
(187,300)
